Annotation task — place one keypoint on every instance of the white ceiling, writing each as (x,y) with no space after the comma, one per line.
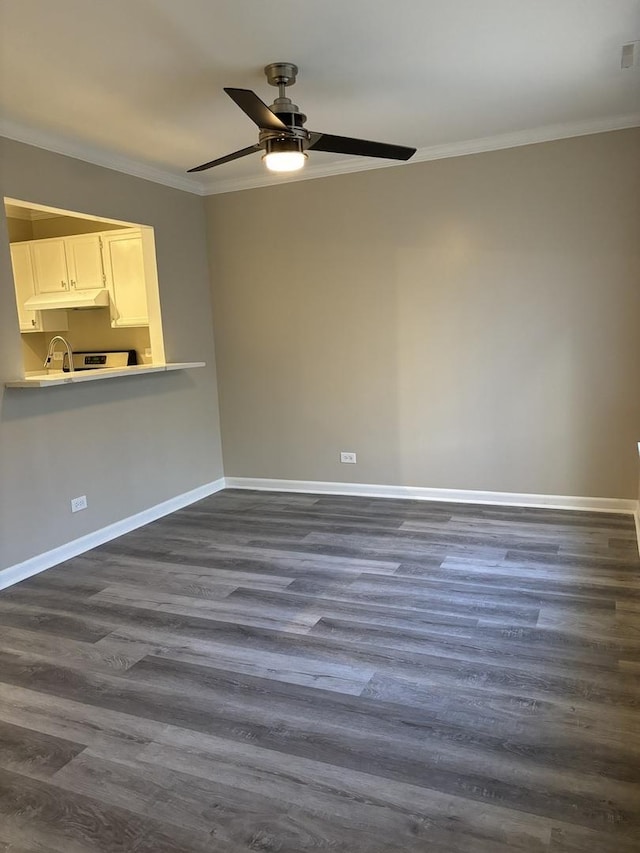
(137,84)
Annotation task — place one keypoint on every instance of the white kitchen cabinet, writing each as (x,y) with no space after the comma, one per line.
(125,274)
(50,265)
(111,259)
(84,261)
(23,275)
(67,263)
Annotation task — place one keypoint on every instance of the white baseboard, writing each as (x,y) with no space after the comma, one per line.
(616,505)
(41,562)
(38,564)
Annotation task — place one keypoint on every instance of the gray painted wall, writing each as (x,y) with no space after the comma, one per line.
(469,323)
(127,444)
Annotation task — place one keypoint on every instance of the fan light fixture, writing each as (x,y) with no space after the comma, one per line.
(284,155)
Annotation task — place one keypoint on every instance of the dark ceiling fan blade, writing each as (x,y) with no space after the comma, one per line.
(358,147)
(235,156)
(256,109)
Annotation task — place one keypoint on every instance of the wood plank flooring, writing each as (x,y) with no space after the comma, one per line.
(279,672)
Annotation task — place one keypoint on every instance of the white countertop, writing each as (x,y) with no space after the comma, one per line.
(46,380)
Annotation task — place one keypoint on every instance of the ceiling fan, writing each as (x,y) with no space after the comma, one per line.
(283,136)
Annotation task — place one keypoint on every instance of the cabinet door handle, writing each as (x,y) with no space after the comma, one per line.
(73,284)
(63,284)
(33,322)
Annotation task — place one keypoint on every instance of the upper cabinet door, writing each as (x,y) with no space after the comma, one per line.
(50,265)
(25,286)
(84,261)
(124,266)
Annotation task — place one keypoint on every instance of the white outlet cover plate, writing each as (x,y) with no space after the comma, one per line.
(78,503)
(348,456)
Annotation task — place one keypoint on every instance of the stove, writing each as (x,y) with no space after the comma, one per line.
(101,359)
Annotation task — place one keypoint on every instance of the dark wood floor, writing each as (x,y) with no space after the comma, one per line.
(277,672)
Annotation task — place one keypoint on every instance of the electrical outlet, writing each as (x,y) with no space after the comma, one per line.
(348,456)
(78,503)
(58,356)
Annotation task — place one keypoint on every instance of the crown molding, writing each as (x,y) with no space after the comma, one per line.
(139,169)
(548,133)
(96,156)
(481,145)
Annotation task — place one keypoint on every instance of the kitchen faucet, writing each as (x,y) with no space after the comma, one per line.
(52,346)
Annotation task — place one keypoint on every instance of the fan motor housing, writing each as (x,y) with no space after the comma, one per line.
(288,112)
(294,132)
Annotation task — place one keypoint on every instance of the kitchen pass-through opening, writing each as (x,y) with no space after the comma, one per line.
(93,281)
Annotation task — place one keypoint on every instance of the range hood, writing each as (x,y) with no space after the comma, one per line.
(95,298)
